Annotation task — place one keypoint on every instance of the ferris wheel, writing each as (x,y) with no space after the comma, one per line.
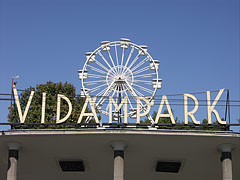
(119,69)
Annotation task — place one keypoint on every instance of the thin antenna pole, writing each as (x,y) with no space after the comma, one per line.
(226,110)
(228,99)
(119,101)
(11,95)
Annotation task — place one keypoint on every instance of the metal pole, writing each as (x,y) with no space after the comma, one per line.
(11,95)
(228,99)
(13,83)
(119,101)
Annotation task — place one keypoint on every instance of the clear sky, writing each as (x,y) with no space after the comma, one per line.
(196,41)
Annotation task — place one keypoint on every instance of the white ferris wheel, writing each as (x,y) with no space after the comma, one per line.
(120,69)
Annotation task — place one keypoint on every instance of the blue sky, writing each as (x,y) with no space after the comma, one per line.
(196,41)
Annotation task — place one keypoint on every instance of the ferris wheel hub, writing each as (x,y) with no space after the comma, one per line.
(119,75)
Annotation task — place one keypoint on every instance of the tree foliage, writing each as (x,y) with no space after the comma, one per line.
(166,120)
(162,120)
(52,90)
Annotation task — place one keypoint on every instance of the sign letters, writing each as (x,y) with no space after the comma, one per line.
(91,101)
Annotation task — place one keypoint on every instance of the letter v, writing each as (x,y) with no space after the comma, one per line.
(22,117)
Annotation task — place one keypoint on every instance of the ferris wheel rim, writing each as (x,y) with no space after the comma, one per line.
(118,43)
(114,42)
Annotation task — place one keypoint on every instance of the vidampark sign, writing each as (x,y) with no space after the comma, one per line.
(120,79)
(91,102)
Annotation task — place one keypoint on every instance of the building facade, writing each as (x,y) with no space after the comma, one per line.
(118,153)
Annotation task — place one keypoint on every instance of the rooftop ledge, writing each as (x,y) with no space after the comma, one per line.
(115,131)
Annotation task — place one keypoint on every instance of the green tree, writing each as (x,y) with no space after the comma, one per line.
(52,90)
(164,120)
(214,127)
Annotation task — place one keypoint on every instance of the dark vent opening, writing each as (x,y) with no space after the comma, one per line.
(170,167)
(72,166)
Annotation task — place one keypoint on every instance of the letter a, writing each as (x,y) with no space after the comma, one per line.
(164,100)
(94,114)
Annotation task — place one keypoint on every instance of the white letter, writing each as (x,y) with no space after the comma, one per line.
(186,113)
(22,117)
(111,101)
(211,107)
(138,108)
(58,120)
(164,99)
(43,107)
(92,105)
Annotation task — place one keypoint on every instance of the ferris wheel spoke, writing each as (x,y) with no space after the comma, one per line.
(137,92)
(116,53)
(131,91)
(106,61)
(141,70)
(143,81)
(140,63)
(97,70)
(128,78)
(96,88)
(134,95)
(111,75)
(109,54)
(130,103)
(96,76)
(115,92)
(144,89)
(94,82)
(135,59)
(106,93)
(115,89)
(128,73)
(112,96)
(127,95)
(104,67)
(141,105)
(122,90)
(122,59)
(144,75)
(101,92)
(107,107)
(147,83)
(129,56)
(117,98)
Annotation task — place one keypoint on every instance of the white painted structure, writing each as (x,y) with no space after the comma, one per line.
(198,151)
